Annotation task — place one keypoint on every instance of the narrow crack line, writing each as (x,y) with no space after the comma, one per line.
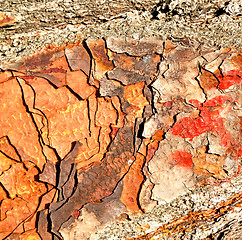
(205,59)
(199,83)
(5,170)
(86,140)
(63,202)
(72,175)
(95,113)
(187,186)
(154,110)
(15,149)
(89,117)
(168,68)
(5,190)
(98,139)
(108,146)
(141,185)
(221,72)
(32,118)
(219,55)
(68,177)
(73,93)
(68,63)
(217,86)
(152,88)
(92,61)
(42,114)
(174,121)
(45,78)
(116,110)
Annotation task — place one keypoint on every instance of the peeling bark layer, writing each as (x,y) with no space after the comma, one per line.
(107,129)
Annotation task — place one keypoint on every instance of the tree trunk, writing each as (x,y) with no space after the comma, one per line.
(120,120)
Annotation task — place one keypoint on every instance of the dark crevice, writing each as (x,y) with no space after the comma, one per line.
(48,80)
(49,223)
(84,44)
(141,130)
(33,120)
(67,60)
(5,190)
(137,138)
(57,166)
(89,117)
(74,93)
(42,114)
(174,121)
(154,110)
(199,84)
(161,7)
(220,12)
(75,183)
(16,151)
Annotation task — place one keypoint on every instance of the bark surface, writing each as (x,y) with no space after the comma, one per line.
(120,120)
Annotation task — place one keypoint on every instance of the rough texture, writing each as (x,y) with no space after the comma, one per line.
(27,26)
(119,137)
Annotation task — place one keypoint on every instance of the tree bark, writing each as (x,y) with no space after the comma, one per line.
(120,120)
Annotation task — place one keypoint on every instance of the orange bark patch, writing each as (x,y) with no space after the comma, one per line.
(99,53)
(24,192)
(133,94)
(208,80)
(67,116)
(56,71)
(7,149)
(132,182)
(23,136)
(5,76)
(30,235)
(78,82)
(208,164)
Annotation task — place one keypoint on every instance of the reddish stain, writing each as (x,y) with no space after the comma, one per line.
(5,20)
(76,213)
(131,199)
(168,104)
(54,70)
(114,131)
(209,120)
(183,159)
(28,77)
(229,79)
(217,101)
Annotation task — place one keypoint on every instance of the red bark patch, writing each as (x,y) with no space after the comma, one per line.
(229,79)
(209,120)
(182,159)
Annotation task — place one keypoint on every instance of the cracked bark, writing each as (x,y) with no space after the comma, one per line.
(121,138)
